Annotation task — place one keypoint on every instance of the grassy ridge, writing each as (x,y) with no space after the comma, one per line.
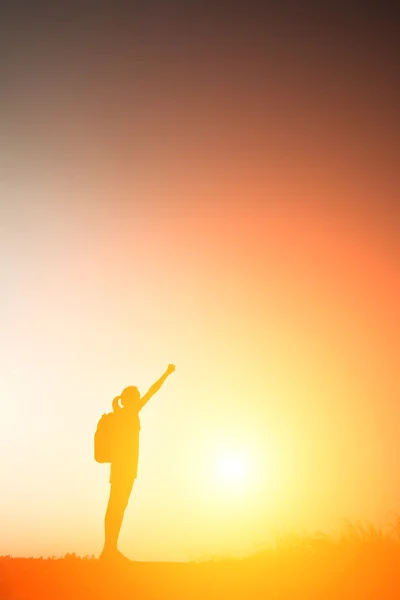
(362,563)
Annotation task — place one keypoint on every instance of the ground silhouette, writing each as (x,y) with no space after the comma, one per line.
(361,564)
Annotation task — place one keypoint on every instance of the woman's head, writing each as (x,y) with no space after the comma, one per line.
(130,397)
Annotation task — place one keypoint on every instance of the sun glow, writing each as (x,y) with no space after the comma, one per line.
(232,468)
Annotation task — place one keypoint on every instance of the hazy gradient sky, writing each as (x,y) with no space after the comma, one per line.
(217,189)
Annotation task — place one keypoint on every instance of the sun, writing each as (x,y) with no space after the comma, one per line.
(232,468)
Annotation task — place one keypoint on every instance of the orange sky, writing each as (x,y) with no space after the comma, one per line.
(243,227)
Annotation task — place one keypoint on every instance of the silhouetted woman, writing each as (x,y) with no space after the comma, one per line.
(125,461)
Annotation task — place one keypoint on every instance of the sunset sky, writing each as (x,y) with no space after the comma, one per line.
(216,190)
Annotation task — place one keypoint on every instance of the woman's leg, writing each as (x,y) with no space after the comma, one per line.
(119,497)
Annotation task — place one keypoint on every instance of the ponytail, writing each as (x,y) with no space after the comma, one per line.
(115,403)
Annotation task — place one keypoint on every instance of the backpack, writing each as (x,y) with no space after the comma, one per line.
(104,438)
